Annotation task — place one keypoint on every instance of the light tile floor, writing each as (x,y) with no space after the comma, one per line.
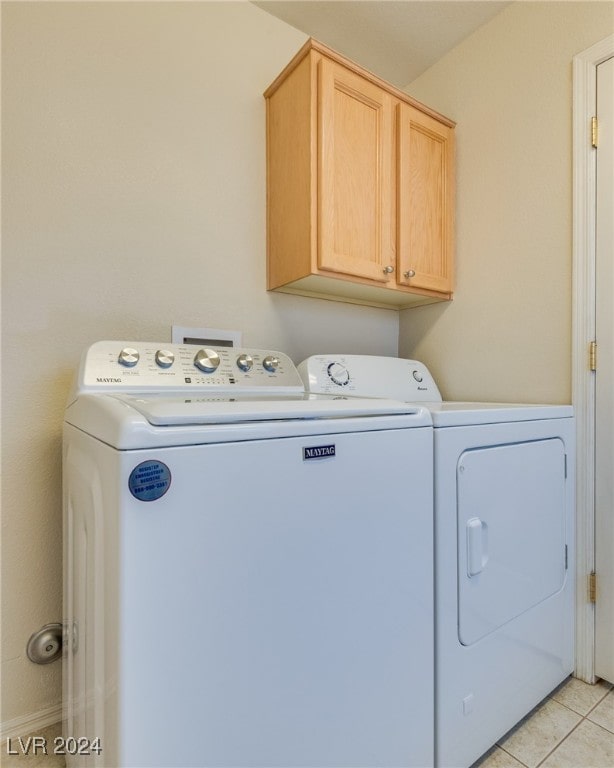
(572,728)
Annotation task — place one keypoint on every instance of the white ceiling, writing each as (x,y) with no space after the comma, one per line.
(395,39)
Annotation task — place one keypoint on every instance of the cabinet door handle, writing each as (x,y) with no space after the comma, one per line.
(388,270)
(409,273)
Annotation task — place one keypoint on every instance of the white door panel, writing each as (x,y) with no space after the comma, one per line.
(604,393)
(511,532)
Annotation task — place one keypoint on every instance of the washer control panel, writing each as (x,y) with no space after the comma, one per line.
(369,376)
(124,366)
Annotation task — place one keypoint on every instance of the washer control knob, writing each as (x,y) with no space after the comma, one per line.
(270,363)
(245,362)
(165,358)
(128,357)
(338,374)
(207,360)
(417,376)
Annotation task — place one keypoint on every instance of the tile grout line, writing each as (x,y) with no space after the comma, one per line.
(603,728)
(567,735)
(564,739)
(593,707)
(575,728)
(513,756)
(526,719)
(596,704)
(607,693)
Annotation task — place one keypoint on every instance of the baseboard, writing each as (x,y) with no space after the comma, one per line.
(31,724)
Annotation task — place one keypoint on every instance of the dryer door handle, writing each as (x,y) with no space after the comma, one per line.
(477,546)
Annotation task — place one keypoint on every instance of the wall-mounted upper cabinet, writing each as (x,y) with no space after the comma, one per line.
(360,187)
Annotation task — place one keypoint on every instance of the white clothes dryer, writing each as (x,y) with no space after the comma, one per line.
(504,546)
(242,587)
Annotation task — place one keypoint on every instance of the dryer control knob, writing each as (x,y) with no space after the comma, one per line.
(165,358)
(270,363)
(128,357)
(338,374)
(245,362)
(207,360)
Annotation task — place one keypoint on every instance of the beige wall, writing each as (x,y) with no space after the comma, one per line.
(133,198)
(507,334)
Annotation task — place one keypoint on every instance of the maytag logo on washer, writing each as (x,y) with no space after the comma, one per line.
(319,452)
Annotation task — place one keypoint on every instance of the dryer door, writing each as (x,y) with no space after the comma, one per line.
(511,532)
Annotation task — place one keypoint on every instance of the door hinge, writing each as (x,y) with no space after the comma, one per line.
(592,356)
(594,132)
(592,587)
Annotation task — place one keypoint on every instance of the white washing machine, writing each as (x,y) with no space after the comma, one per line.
(504,534)
(242,585)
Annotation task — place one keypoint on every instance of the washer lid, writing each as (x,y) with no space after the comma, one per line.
(163,411)
(460,414)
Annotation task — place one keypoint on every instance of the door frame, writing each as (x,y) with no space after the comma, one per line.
(583,332)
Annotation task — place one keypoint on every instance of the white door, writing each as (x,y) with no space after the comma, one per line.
(512,550)
(604,422)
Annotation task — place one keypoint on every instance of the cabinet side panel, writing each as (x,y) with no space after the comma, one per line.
(289,178)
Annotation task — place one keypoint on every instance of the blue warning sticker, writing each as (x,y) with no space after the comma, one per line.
(149,480)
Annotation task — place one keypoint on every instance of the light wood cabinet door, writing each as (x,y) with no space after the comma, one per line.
(425,201)
(360,186)
(355,184)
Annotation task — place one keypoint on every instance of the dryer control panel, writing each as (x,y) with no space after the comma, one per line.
(131,366)
(369,376)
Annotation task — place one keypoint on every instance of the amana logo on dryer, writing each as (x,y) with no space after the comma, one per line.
(319,452)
